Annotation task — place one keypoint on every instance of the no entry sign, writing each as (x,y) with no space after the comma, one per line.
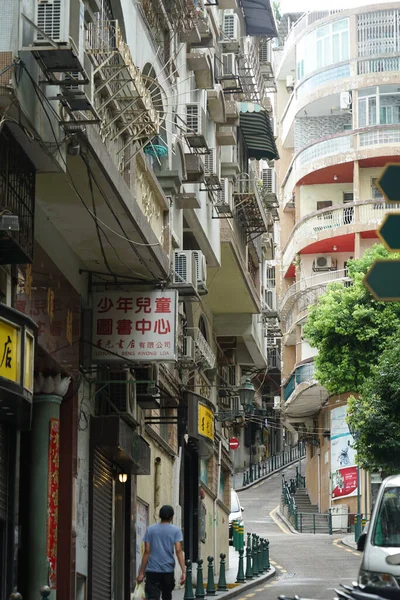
(234,443)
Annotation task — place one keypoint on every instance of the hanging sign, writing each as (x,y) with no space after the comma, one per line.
(139,326)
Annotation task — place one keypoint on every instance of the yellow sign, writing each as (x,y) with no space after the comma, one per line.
(206,422)
(9,351)
(29,361)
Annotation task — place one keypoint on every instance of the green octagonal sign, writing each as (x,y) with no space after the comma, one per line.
(383,280)
(389,182)
(389,232)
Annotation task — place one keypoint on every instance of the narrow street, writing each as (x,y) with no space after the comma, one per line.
(306,564)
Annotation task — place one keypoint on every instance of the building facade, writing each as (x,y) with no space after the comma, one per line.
(337,80)
(137,216)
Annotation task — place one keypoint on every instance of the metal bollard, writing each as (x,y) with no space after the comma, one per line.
(254,555)
(244,479)
(259,553)
(267,563)
(240,578)
(210,577)
(259,470)
(234,534)
(222,587)
(189,594)
(199,581)
(45,591)
(249,570)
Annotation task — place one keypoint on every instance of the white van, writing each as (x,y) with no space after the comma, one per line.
(236,513)
(380,565)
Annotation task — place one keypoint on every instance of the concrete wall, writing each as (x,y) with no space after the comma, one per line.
(311,194)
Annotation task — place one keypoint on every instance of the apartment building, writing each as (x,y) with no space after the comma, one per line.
(137,215)
(338,121)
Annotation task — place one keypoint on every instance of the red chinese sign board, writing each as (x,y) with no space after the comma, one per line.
(49,299)
(139,326)
(234,443)
(52,500)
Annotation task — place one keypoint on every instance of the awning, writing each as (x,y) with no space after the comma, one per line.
(257,132)
(259,18)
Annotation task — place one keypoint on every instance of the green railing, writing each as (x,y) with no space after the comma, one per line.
(272,463)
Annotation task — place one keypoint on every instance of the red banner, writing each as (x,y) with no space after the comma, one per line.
(345,482)
(52,500)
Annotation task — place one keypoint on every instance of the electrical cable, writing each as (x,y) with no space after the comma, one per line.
(97,225)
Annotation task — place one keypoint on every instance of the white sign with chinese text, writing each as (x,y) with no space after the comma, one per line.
(138,326)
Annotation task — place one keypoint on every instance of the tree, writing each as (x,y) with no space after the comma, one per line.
(349,328)
(374,416)
(277,10)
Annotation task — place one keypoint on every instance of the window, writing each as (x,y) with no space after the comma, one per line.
(324,204)
(387,525)
(322,47)
(347,127)
(375,191)
(348,197)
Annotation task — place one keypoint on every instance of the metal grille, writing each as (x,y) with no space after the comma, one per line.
(17,197)
(378,32)
(267,180)
(192,117)
(49,19)
(230,26)
(209,162)
(3,473)
(102,511)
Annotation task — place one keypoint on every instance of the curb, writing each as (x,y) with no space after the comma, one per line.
(264,477)
(286,522)
(347,542)
(243,587)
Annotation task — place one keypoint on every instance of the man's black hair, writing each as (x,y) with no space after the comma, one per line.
(166,512)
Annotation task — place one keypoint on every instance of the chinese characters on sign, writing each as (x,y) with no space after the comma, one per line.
(52,502)
(9,351)
(140,326)
(206,422)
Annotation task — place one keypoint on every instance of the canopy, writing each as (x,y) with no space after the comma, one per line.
(259,18)
(257,132)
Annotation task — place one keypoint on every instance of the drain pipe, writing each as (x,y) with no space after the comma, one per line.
(157,477)
(319,480)
(216,565)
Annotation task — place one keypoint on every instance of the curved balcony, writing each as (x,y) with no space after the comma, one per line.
(302,394)
(303,287)
(363,143)
(342,220)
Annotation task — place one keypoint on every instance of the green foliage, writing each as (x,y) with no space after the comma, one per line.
(350,328)
(277,10)
(374,416)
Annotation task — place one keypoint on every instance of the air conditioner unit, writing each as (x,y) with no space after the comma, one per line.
(230,27)
(323,262)
(277,402)
(345,100)
(264,51)
(185,269)
(195,118)
(267,104)
(229,64)
(210,163)
(147,391)
(188,350)
(122,393)
(290,83)
(269,181)
(201,269)
(236,407)
(62,21)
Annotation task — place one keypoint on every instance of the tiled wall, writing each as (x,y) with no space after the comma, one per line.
(310,129)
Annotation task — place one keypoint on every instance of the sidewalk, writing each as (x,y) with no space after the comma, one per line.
(230,575)
(348,540)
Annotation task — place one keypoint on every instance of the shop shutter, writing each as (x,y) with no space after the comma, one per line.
(3,472)
(102,546)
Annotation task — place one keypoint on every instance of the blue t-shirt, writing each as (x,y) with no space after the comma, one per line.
(162,538)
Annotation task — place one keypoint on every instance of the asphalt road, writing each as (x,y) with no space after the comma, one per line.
(306,564)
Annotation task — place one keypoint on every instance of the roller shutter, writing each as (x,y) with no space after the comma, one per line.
(102,544)
(3,472)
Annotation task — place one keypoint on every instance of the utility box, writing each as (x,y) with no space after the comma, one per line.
(340,517)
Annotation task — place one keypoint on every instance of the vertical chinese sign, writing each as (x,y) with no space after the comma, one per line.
(205,422)
(139,326)
(52,500)
(343,464)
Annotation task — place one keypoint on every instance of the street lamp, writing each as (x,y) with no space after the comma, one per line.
(246,393)
(357,526)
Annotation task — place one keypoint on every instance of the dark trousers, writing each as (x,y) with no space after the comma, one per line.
(159,583)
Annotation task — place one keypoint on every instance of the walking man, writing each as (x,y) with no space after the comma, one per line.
(158,561)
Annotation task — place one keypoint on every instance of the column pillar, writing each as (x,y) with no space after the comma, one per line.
(43,510)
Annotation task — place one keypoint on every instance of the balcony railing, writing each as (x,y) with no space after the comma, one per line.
(249,207)
(334,145)
(203,352)
(368,212)
(378,65)
(304,373)
(306,20)
(303,286)
(321,78)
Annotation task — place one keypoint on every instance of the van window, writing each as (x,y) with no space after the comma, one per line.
(387,525)
(235,506)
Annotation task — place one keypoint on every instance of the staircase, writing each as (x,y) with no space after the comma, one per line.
(308,519)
